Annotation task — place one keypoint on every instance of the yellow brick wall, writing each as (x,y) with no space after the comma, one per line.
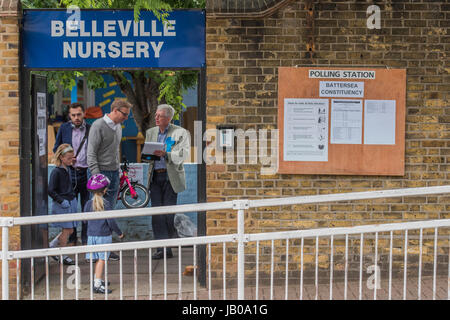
(9,125)
(243,56)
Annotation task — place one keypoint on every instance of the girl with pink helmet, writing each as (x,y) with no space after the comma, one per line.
(100,231)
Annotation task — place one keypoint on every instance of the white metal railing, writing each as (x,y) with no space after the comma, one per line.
(361,230)
(241,238)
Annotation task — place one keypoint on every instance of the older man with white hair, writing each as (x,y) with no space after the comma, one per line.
(166,175)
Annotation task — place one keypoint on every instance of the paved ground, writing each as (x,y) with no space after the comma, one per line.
(143,291)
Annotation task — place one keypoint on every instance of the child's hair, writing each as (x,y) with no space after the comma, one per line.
(98,203)
(62,150)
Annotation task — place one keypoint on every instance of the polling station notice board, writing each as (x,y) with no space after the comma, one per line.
(341,121)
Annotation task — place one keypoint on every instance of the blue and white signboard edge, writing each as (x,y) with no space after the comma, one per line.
(55,39)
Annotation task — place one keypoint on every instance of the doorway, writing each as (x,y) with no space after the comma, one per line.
(173,54)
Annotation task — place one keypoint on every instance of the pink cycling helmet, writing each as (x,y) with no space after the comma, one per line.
(97,182)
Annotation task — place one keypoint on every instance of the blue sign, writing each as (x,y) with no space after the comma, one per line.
(112,39)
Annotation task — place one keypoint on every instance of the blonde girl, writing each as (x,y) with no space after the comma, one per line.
(61,191)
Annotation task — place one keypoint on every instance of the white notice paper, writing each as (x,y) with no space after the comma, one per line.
(346,121)
(151,147)
(41,121)
(379,122)
(305,130)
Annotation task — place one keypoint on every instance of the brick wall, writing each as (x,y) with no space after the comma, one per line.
(9,124)
(243,56)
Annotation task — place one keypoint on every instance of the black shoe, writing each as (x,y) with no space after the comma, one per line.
(68,262)
(160,255)
(101,289)
(103,283)
(114,257)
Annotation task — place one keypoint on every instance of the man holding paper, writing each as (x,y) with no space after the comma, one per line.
(166,173)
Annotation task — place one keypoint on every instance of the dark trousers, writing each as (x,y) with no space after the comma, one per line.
(162,194)
(79,180)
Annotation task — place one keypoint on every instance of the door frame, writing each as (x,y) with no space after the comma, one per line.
(26,152)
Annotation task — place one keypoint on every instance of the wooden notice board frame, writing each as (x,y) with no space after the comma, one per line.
(346,159)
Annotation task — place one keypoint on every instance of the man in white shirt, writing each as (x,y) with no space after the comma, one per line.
(104,145)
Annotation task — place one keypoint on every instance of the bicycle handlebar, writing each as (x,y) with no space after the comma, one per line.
(124,166)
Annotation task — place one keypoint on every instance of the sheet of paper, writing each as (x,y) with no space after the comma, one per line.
(305,130)
(151,147)
(136,172)
(346,121)
(379,122)
(41,121)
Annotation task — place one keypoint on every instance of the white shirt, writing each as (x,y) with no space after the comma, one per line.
(111,123)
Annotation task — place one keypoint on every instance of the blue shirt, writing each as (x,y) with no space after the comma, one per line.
(161,164)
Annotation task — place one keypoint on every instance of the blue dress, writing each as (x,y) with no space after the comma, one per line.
(57,209)
(100,231)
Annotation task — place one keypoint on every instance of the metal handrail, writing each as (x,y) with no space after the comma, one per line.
(132,245)
(349,196)
(372,228)
(123,213)
(211,206)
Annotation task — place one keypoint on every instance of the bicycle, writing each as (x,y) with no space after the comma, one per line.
(131,193)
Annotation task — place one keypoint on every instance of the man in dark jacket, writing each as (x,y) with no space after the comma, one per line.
(75,132)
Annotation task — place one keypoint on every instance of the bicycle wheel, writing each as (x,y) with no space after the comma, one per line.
(142,196)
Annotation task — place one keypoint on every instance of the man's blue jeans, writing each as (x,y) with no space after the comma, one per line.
(113,188)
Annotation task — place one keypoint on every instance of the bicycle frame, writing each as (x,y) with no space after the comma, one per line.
(124,181)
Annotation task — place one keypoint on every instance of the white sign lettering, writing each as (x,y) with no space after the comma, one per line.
(126,49)
(97,48)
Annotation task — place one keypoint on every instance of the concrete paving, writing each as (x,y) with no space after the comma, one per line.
(135,277)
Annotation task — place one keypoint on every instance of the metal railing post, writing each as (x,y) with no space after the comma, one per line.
(240,206)
(5,224)
(5,267)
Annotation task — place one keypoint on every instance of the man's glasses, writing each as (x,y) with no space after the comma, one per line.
(124,114)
